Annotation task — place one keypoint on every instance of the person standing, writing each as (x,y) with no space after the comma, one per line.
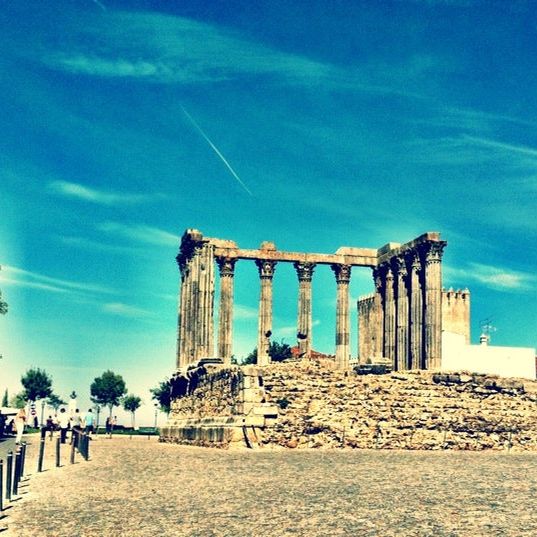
(20,420)
(89,420)
(63,422)
(50,426)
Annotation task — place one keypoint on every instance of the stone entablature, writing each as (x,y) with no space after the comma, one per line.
(407,278)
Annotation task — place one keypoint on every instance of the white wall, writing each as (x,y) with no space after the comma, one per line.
(503,361)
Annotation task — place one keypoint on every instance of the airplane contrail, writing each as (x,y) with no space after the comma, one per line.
(216,150)
(100,4)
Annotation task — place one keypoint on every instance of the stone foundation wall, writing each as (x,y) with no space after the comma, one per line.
(320,407)
(310,404)
(219,407)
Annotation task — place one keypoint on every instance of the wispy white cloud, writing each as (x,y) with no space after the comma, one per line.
(26,278)
(494,277)
(291,330)
(124,310)
(501,146)
(466,149)
(93,195)
(168,49)
(89,244)
(469,120)
(164,48)
(140,233)
(244,312)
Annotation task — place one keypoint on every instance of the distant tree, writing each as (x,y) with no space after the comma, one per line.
(55,401)
(5,399)
(278,352)
(18,400)
(37,384)
(251,358)
(108,389)
(3,305)
(162,395)
(131,403)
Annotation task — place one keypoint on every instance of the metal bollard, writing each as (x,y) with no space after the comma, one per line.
(23,458)
(83,445)
(9,474)
(17,472)
(72,458)
(1,485)
(58,444)
(41,455)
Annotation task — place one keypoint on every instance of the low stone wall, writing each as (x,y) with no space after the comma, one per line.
(309,404)
(217,406)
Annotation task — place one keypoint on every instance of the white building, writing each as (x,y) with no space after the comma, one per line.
(457,355)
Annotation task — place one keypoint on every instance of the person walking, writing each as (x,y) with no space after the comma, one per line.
(20,420)
(63,422)
(108,425)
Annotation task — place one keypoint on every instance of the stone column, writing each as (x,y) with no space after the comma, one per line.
(379,307)
(401,313)
(416,311)
(304,324)
(181,315)
(226,267)
(432,257)
(205,303)
(389,316)
(266,272)
(343,276)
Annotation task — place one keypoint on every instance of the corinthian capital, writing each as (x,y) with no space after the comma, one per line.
(413,262)
(266,268)
(304,271)
(433,251)
(226,266)
(342,272)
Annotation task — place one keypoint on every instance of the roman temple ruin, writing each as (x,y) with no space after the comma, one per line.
(406,321)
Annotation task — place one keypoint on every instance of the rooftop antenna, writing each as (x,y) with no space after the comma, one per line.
(486,330)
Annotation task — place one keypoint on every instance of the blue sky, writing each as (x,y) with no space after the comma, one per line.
(343,123)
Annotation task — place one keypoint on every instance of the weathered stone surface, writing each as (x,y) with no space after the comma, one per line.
(321,407)
(425,411)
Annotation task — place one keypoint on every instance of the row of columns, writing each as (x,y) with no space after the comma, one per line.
(195,333)
(409,287)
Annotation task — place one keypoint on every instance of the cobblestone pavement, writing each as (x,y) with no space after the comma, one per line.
(139,487)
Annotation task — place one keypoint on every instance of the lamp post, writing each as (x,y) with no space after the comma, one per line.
(43,402)
(156,415)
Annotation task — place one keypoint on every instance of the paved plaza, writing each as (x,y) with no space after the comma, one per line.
(139,487)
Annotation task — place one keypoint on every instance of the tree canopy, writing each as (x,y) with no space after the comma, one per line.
(108,389)
(37,384)
(5,399)
(3,305)
(18,400)
(278,352)
(131,403)
(55,401)
(162,395)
